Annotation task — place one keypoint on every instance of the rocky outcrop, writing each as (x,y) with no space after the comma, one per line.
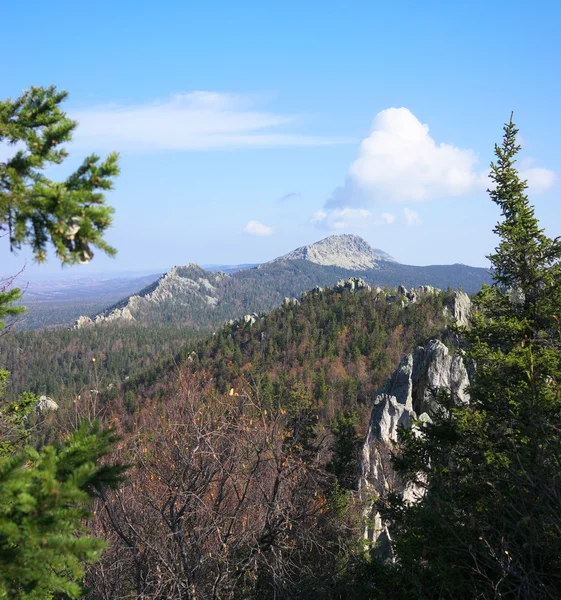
(180,286)
(345,251)
(459,308)
(45,404)
(352,284)
(412,390)
(411,394)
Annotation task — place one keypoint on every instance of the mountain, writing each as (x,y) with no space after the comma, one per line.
(345,251)
(190,296)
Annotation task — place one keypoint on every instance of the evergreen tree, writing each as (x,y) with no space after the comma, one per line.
(44,498)
(35,210)
(489,524)
(345,449)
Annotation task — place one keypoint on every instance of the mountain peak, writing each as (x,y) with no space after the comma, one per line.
(345,250)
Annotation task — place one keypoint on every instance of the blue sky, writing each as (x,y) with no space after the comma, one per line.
(249,128)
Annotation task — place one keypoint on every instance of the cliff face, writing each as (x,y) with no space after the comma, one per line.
(409,394)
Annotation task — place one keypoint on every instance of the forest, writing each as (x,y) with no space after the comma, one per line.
(180,464)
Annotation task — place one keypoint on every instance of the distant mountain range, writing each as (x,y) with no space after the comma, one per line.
(195,297)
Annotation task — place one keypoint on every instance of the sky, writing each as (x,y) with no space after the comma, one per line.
(246,129)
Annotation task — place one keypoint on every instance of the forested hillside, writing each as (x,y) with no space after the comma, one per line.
(336,345)
(192,297)
(233,446)
(67,363)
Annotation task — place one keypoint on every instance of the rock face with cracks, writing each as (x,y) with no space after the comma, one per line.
(409,395)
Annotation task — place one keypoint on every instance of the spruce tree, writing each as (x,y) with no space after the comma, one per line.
(44,504)
(489,523)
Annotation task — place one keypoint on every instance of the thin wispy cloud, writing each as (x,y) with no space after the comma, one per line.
(388,218)
(288,196)
(411,216)
(258,229)
(341,219)
(193,121)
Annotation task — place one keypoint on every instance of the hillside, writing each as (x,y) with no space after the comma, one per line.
(52,303)
(192,297)
(231,443)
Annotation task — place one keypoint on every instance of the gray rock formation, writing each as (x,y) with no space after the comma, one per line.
(250,319)
(181,285)
(459,308)
(345,251)
(409,395)
(45,404)
(352,284)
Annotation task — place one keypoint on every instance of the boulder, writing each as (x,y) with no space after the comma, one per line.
(45,404)
(352,284)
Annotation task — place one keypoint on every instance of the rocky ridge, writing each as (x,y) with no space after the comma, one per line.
(345,251)
(181,285)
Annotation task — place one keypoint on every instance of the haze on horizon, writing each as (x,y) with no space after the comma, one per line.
(248,130)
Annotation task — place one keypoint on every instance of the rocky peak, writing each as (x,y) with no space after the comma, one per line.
(181,285)
(345,251)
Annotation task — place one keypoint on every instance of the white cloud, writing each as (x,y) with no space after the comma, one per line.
(388,218)
(192,121)
(400,161)
(411,217)
(257,228)
(540,180)
(341,219)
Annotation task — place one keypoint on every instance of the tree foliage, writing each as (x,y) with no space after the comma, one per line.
(45,492)
(36,210)
(488,525)
(44,502)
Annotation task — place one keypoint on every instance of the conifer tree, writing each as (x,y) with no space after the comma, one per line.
(44,503)
(489,522)
(44,499)
(35,210)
